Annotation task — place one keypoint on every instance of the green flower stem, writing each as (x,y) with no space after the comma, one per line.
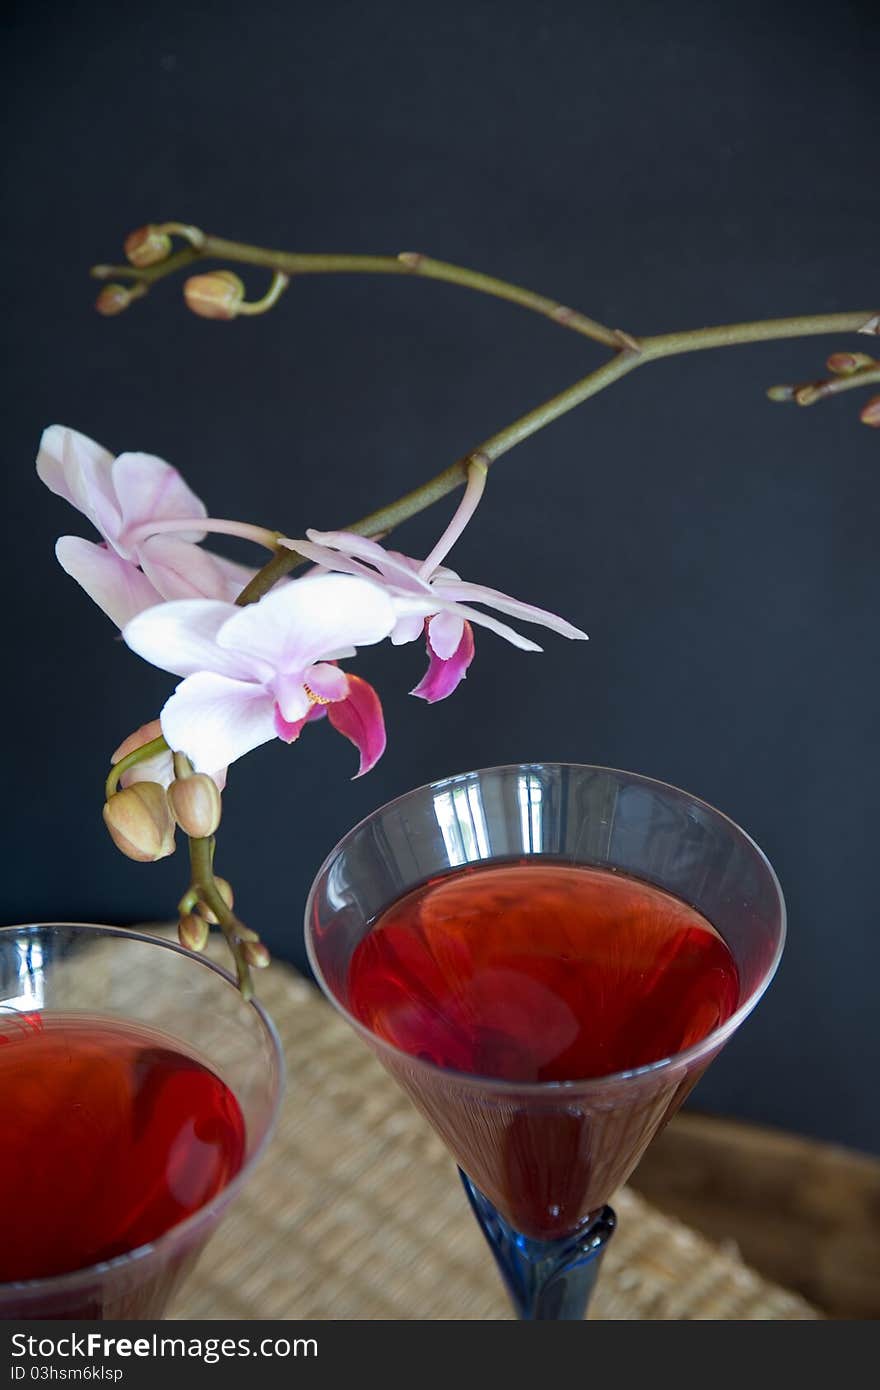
(201,857)
(407,263)
(638,352)
(146,750)
(630,353)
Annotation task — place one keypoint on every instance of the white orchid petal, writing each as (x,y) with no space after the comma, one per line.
(474,615)
(149,489)
(235,577)
(181,637)
(114,584)
(390,563)
(79,470)
(445,632)
(291,698)
(215,720)
(408,628)
(180,569)
(301,623)
(460,591)
(159,768)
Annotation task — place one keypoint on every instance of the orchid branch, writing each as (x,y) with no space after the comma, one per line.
(286,263)
(204,886)
(626,360)
(220,294)
(810,392)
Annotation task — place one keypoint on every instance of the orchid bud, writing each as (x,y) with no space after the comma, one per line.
(192,932)
(195,805)
(225,890)
(809,393)
(146,246)
(140,822)
(145,734)
(216,295)
(781,393)
(870,413)
(112,300)
(848,363)
(256,954)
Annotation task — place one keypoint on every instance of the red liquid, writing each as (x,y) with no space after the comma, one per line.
(543,972)
(111,1136)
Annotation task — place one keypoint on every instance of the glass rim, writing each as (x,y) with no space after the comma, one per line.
(474,1081)
(174,1235)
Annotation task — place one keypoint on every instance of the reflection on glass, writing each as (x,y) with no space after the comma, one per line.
(462,824)
(26,977)
(531,812)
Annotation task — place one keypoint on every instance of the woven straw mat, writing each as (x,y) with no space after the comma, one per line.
(356,1212)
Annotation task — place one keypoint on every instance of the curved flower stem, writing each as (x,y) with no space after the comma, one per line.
(138,755)
(478,471)
(261,535)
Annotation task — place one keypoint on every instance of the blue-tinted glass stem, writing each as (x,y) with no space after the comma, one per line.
(546,1279)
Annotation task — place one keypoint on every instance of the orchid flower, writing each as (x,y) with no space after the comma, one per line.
(431,598)
(150,523)
(262,672)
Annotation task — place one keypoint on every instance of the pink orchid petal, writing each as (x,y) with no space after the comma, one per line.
(180,569)
(79,470)
(389,563)
(291,699)
(215,720)
(235,577)
(459,591)
(442,677)
(359,719)
(332,559)
(116,586)
(149,489)
(288,730)
(181,637)
(299,624)
(445,632)
(327,681)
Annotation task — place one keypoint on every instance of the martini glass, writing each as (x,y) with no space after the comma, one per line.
(539,1161)
(122,980)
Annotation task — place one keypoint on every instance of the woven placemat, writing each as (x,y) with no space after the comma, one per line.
(356,1212)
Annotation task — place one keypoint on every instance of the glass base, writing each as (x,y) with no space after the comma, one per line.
(546,1279)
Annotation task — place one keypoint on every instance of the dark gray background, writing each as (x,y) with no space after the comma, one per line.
(658,166)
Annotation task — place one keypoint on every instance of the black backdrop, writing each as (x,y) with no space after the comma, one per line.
(659,166)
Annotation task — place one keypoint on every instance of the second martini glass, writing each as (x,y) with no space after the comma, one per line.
(540,1160)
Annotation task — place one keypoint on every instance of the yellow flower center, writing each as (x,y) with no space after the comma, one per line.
(316,699)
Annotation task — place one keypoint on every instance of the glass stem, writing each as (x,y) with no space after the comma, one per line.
(546,1279)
